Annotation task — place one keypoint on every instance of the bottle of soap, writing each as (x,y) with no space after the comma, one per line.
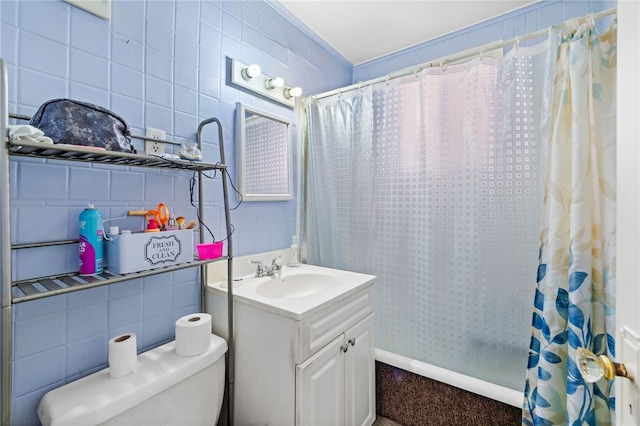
(294,256)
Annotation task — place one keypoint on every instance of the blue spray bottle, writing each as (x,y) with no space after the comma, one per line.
(90,244)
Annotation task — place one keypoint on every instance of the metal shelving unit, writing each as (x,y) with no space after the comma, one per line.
(36,288)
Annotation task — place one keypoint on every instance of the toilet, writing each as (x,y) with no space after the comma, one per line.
(166,389)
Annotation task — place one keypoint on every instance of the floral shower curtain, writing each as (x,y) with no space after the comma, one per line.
(575,295)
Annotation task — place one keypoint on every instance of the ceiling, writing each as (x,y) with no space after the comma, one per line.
(362,30)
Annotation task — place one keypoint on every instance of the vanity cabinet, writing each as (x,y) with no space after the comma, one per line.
(337,384)
(311,369)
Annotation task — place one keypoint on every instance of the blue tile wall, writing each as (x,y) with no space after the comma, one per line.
(162,64)
(517,23)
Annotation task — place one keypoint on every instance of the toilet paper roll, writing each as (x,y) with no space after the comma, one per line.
(193,334)
(123,356)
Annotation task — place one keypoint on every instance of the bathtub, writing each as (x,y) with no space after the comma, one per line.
(471,384)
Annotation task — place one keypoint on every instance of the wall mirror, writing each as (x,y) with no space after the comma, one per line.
(264,155)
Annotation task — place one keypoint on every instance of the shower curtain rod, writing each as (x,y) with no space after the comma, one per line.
(467,54)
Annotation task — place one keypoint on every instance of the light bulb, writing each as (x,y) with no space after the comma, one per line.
(251,71)
(292,92)
(274,83)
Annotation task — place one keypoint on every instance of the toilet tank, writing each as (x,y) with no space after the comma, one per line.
(166,389)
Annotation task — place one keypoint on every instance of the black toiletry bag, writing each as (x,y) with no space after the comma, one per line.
(67,121)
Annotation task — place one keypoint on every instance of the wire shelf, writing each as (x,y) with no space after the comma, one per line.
(38,288)
(94,155)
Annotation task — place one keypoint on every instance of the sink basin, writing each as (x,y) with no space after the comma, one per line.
(297,293)
(296,285)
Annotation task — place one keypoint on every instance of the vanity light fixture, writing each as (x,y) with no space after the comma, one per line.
(292,92)
(251,78)
(274,83)
(251,71)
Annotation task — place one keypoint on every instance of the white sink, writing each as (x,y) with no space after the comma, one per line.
(292,285)
(296,293)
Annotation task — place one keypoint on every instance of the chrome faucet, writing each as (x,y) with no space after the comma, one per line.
(275,267)
(261,271)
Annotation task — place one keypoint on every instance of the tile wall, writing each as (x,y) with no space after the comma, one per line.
(520,22)
(158,64)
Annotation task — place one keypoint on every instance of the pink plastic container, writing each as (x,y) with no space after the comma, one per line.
(209,250)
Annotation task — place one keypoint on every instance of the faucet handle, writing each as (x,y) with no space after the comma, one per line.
(260,271)
(275,267)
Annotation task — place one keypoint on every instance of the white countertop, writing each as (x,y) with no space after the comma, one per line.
(245,289)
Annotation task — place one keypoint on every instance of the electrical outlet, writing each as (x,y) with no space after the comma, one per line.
(153,147)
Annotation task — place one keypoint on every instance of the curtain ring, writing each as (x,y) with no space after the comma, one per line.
(387,80)
(416,72)
(575,24)
(517,43)
(443,66)
(481,56)
(339,93)
(569,28)
(360,86)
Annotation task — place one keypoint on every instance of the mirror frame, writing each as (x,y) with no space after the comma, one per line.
(241,112)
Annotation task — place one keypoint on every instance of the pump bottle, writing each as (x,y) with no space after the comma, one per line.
(294,255)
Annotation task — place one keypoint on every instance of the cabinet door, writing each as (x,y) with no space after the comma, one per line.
(320,387)
(360,398)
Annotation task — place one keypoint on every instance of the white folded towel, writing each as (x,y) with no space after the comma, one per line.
(27,133)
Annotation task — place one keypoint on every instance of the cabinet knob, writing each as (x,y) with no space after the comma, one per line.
(344,347)
(352,341)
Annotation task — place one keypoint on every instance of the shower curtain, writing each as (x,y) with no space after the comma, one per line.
(575,295)
(433,183)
